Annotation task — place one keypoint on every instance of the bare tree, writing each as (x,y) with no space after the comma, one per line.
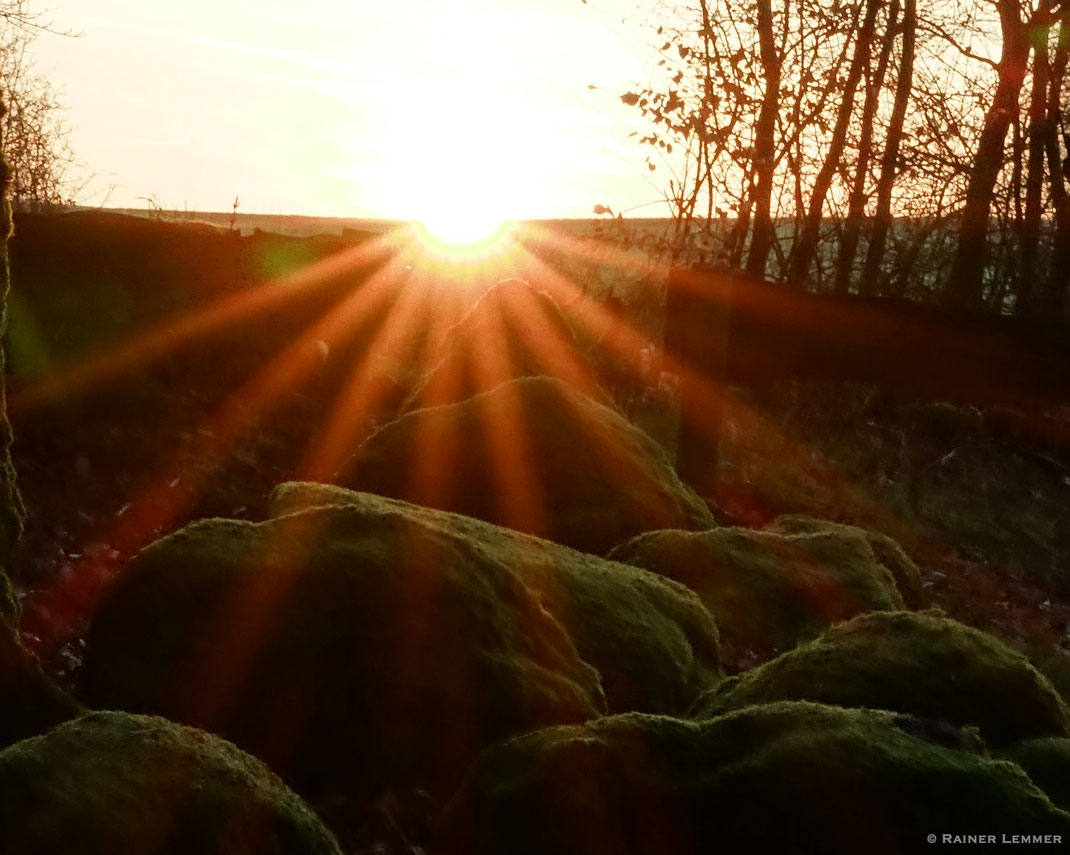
(38,149)
(965,285)
(1057,288)
(852,228)
(795,174)
(11,510)
(16,16)
(765,143)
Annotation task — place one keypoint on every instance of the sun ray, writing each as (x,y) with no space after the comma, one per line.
(202,689)
(368,388)
(627,344)
(592,250)
(431,481)
(173,490)
(170,332)
(518,490)
(547,343)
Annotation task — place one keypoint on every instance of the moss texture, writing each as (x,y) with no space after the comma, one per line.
(535,455)
(886,551)
(110,782)
(1047,762)
(786,777)
(651,639)
(918,663)
(352,652)
(768,591)
(512,331)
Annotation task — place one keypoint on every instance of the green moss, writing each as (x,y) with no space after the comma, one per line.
(922,664)
(110,782)
(786,777)
(353,652)
(535,455)
(1047,762)
(768,591)
(652,641)
(886,551)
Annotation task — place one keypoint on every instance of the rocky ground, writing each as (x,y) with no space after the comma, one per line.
(507,625)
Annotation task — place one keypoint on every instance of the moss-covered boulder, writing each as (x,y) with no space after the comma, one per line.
(768,591)
(535,455)
(783,778)
(512,331)
(1047,762)
(886,551)
(352,652)
(140,785)
(654,644)
(918,663)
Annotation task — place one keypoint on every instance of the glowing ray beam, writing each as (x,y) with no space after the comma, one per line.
(174,490)
(203,689)
(591,250)
(169,332)
(548,344)
(367,388)
(517,486)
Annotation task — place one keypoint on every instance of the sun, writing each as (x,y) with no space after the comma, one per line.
(465,183)
(462,232)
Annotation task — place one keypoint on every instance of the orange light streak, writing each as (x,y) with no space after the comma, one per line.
(174,490)
(166,334)
(519,493)
(365,391)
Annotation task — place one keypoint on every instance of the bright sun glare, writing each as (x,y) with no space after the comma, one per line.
(463,186)
(463,232)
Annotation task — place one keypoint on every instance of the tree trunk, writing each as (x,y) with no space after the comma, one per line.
(765,144)
(805,248)
(882,217)
(852,228)
(1057,287)
(738,238)
(965,285)
(11,511)
(1025,298)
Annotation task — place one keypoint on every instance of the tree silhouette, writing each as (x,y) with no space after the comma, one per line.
(870,146)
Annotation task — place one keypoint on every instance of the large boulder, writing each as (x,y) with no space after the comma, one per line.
(110,782)
(652,641)
(353,652)
(1047,762)
(512,331)
(919,663)
(786,778)
(767,590)
(535,455)
(886,551)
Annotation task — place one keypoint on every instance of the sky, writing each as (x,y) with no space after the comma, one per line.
(407,109)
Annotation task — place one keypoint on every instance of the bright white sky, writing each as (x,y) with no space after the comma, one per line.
(406,108)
